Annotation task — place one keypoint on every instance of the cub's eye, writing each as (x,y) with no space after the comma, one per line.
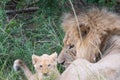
(41,66)
(71,46)
(49,65)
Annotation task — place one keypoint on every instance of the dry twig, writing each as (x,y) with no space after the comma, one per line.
(31,9)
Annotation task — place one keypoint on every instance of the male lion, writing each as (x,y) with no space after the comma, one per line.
(108,68)
(45,66)
(96,26)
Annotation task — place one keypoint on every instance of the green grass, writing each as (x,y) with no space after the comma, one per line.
(27,33)
(22,40)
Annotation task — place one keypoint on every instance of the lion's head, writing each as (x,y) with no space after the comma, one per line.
(71,38)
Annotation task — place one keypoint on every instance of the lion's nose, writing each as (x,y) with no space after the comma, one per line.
(63,63)
(45,74)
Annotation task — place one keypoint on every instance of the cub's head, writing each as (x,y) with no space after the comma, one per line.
(71,39)
(45,64)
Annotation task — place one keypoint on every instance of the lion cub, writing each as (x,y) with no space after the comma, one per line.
(45,67)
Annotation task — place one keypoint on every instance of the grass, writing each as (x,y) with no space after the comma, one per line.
(21,41)
(39,32)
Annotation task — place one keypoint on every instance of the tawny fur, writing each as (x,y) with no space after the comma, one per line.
(45,67)
(69,57)
(108,68)
(20,64)
(96,26)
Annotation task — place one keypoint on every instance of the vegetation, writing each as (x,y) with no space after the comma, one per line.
(37,32)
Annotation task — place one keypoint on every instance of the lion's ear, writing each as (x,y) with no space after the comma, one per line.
(35,58)
(84,29)
(54,56)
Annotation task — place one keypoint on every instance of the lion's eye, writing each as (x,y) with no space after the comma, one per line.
(49,65)
(71,46)
(41,66)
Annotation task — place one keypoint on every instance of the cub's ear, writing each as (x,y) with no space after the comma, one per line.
(54,56)
(35,58)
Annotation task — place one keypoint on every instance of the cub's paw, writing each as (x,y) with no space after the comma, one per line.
(17,64)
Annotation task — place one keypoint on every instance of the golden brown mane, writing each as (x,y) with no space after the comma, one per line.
(96,26)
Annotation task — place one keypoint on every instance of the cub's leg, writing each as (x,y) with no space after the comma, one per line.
(19,64)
